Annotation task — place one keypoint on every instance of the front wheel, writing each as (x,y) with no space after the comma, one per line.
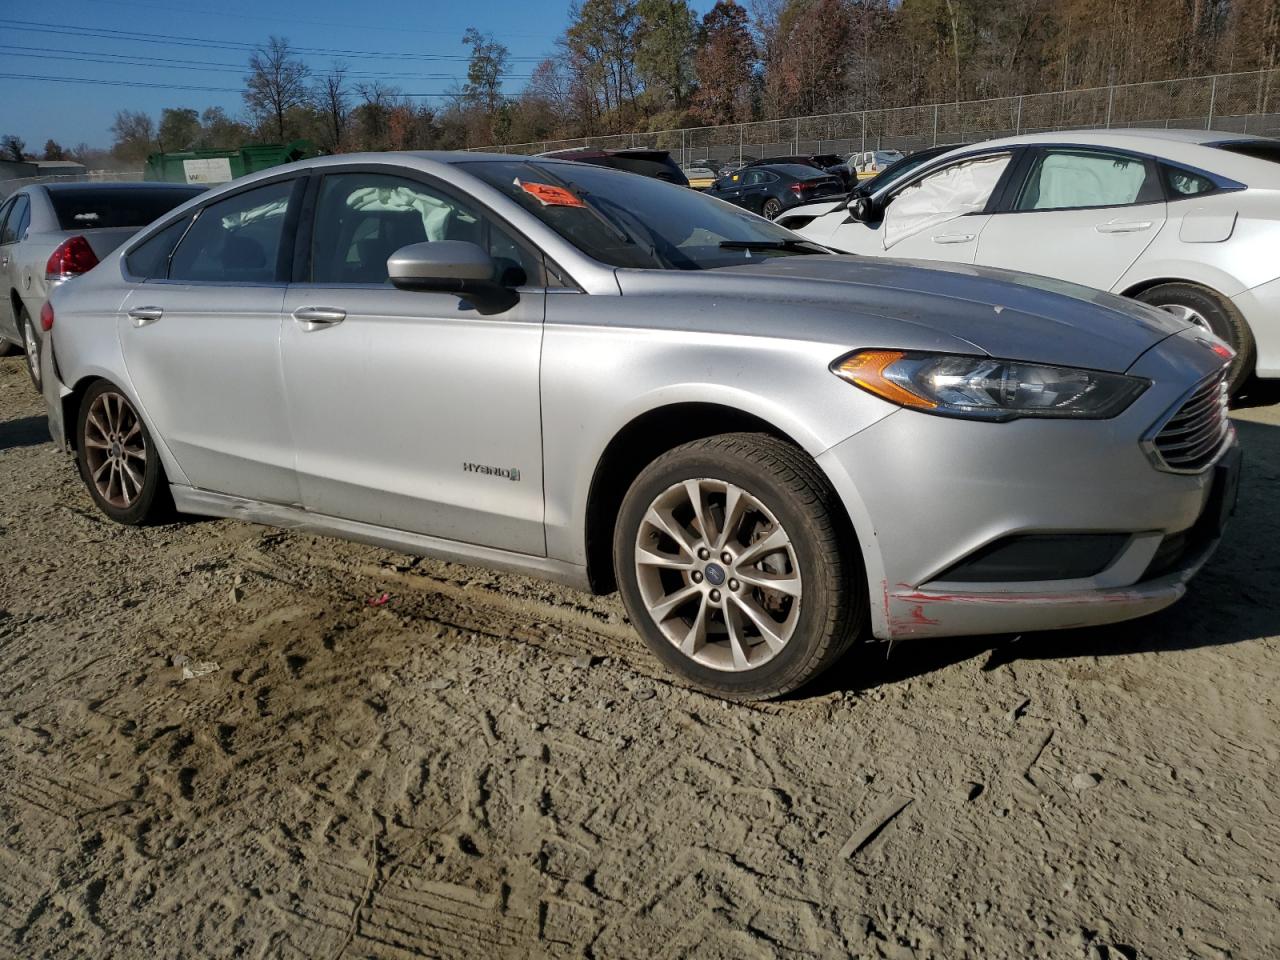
(732,563)
(771,209)
(1203,307)
(118,459)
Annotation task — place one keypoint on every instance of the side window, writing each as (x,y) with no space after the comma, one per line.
(1079,179)
(16,220)
(955,190)
(236,240)
(1181,183)
(21,218)
(149,260)
(363,218)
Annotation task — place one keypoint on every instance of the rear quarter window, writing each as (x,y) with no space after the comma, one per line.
(90,209)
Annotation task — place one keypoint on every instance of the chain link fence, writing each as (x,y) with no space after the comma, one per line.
(1232,102)
(8,187)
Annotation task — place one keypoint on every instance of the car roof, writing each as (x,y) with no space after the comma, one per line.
(1196,148)
(81,185)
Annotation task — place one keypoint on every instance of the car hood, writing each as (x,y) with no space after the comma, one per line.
(1014,316)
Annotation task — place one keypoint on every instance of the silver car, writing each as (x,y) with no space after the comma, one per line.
(52,232)
(579,373)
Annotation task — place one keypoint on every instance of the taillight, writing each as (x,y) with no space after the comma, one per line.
(73,257)
(46,317)
(797,188)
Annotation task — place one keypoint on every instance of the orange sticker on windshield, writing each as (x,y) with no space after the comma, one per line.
(551,196)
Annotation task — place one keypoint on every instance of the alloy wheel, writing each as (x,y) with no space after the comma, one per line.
(1188,314)
(115,449)
(32,346)
(718,574)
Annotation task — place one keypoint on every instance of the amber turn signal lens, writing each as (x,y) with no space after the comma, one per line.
(867,370)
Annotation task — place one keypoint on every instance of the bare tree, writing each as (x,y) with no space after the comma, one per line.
(333,101)
(277,82)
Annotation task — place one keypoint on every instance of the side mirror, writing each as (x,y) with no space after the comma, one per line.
(450,266)
(862,208)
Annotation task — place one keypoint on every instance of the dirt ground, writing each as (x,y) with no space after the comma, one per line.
(491,766)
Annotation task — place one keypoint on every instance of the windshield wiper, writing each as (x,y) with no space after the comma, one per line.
(799,245)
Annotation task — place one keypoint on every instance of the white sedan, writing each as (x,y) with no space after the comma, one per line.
(1183,219)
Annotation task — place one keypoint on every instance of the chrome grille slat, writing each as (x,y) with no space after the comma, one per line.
(1189,441)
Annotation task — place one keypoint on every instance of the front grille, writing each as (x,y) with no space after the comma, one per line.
(1191,439)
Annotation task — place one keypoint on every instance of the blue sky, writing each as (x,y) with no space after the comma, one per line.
(200,43)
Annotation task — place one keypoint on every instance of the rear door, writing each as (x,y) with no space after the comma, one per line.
(201,340)
(1078,214)
(414,410)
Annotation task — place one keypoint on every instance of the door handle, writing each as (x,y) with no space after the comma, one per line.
(141,316)
(315,317)
(4,261)
(953,238)
(1124,226)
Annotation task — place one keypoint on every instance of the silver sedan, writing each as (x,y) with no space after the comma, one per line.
(574,372)
(52,232)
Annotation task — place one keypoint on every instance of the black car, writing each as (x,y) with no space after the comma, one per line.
(831,163)
(769,190)
(648,163)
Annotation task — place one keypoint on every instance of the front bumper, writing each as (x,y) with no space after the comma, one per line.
(927,492)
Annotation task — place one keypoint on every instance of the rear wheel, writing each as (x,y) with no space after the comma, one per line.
(32,344)
(117,458)
(1201,306)
(731,566)
(771,209)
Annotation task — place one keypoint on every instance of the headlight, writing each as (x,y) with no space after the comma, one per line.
(983,388)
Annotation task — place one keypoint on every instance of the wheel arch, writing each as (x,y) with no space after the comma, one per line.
(637,444)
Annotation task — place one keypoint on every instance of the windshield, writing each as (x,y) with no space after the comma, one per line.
(629,221)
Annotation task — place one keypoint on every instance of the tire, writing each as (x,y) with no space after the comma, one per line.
(106,415)
(771,209)
(782,498)
(1203,306)
(31,346)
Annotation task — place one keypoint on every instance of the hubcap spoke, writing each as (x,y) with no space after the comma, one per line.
(696,638)
(673,602)
(767,626)
(787,584)
(737,644)
(672,529)
(734,501)
(694,489)
(649,558)
(776,540)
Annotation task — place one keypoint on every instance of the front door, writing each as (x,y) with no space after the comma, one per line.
(201,342)
(414,410)
(1081,215)
(936,217)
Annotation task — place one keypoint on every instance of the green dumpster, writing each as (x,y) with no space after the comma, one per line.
(219,166)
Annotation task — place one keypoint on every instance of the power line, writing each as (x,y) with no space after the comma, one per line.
(105,33)
(169,63)
(163,86)
(187,11)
